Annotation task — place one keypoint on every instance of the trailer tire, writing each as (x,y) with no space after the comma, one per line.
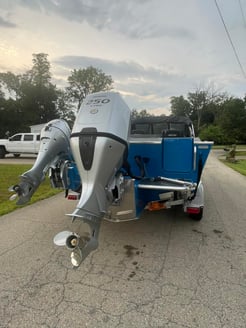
(2,152)
(198,216)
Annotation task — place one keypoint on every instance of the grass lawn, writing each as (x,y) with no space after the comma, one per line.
(240,153)
(228,146)
(10,176)
(240,149)
(239,166)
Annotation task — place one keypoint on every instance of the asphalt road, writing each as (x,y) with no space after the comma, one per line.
(23,159)
(164,270)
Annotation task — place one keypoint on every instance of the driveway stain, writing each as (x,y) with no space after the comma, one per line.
(130,250)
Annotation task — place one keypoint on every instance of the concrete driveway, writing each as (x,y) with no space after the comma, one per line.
(164,270)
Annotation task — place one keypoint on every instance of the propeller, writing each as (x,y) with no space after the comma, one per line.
(13,197)
(16,189)
(61,238)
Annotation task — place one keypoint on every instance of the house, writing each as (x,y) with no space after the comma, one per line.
(36,128)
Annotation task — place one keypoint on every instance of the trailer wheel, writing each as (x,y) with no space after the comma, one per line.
(197,216)
(2,152)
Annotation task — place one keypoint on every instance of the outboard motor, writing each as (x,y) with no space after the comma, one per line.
(99,143)
(54,147)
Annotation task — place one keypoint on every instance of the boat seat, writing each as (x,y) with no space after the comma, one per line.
(138,132)
(173,134)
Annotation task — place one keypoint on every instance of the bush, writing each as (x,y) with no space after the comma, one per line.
(214,133)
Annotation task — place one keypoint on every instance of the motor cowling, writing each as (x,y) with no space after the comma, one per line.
(99,143)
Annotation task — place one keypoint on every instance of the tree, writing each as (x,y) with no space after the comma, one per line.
(180,106)
(29,98)
(11,118)
(10,83)
(213,133)
(65,108)
(205,104)
(233,120)
(85,81)
(139,114)
(43,93)
(198,101)
(201,106)
(40,73)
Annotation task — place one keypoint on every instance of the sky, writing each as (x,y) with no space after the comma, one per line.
(153,49)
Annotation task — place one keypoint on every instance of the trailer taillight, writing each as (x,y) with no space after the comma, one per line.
(193,210)
(72,197)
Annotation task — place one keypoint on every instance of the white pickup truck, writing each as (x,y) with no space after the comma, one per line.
(20,143)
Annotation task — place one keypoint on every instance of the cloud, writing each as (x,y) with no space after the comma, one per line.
(143,87)
(159,48)
(5,23)
(134,19)
(125,73)
(118,69)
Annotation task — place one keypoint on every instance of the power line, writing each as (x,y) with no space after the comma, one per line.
(243,16)
(229,37)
